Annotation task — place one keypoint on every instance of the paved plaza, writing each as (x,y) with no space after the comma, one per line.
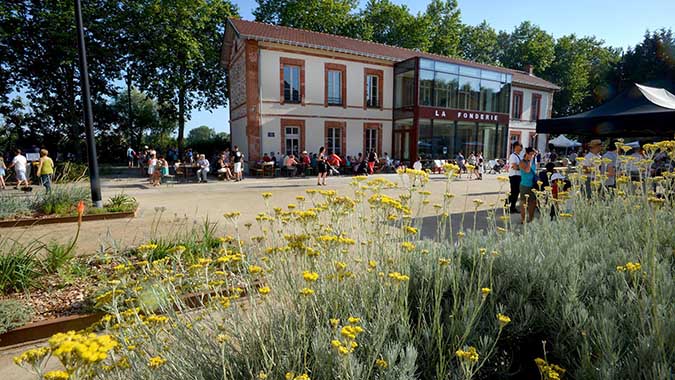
(169,209)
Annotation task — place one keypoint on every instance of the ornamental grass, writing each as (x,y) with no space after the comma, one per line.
(341,286)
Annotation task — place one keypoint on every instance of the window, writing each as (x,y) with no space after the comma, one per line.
(372,91)
(335,137)
(292,137)
(536,105)
(292,84)
(489,95)
(372,95)
(334,88)
(517,106)
(405,89)
(335,82)
(292,74)
(426,87)
(372,138)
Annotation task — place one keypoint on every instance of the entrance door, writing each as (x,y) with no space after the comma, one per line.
(292,141)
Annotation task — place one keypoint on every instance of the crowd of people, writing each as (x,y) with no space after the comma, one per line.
(21,166)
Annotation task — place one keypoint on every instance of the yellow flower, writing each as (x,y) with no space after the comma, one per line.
(398,277)
(334,322)
(231,215)
(31,357)
(156,362)
(478,202)
(56,375)
(335,343)
(502,178)
(266,195)
(470,354)
(340,266)
(264,290)
(289,375)
(310,276)
(262,376)
(354,320)
(485,291)
(410,230)
(503,320)
(254,269)
(443,261)
(408,246)
(501,229)
(304,376)
(306,291)
(221,338)
(381,363)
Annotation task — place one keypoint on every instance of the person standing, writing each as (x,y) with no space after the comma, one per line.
(514,175)
(591,164)
(45,170)
(321,166)
(372,159)
(237,159)
(2,172)
(19,164)
(130,156)
(610,164)
(527,167)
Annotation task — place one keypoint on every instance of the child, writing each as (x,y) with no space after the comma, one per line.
(153,170)
(164,165)
(417,166)
(2,172)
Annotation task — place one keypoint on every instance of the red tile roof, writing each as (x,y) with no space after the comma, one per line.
(323,41)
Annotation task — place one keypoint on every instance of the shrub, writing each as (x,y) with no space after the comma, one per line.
(121,203)
(19,268)
(13,314)
(14,205)
(61,200)
(57,256)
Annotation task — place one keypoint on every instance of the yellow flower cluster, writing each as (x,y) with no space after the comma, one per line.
(292,376)
(381,363)
(549,371)
(630,267)
(469,355)
(75,349)
(396,276)
(146,247)
(310,276)
(306,291)
(408,246)
(266,195)
(156,362)
(231,215)
(485,291)
(31,357)
(56,375)
(387,201)
(503,320)
(264,290)
(254,269)
(410,230)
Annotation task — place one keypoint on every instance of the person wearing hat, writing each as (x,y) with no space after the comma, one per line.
(590,166)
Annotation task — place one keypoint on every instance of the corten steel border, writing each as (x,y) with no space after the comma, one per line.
(44,329)
(65,219)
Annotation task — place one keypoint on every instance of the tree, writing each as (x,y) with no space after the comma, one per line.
(444,20)
(43,59)
(651,60)
(528,44)
(178,55)
(201,134)
(326,16)
(147,118)
(393,24)
(480,44)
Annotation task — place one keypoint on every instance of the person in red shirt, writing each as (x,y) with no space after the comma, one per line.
(266,158)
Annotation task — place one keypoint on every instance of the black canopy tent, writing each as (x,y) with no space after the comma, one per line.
(640,111)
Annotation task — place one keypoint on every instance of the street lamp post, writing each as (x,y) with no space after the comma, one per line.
(94,180)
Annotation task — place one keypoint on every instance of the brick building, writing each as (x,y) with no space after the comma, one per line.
(293,90)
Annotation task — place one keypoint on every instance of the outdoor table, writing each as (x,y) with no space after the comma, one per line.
(188,170)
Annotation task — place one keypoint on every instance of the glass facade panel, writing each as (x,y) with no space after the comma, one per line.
(444,135)
(426,64)
(445,90)
(469,94)
(488,136)
(491,75)
(405,89)
(504,97)
(425,139)
(489,95)
(465,138)
(426,87)
(469,71)
(447,67)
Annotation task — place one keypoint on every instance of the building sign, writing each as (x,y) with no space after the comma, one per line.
(270,134)
(463,115)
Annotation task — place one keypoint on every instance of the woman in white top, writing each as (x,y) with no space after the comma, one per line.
(152,165)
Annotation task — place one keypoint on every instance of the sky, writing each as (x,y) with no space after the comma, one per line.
(620,23)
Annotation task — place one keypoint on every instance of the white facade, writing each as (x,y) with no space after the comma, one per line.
(524,128)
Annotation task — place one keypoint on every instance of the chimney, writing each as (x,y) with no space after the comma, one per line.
(529,69)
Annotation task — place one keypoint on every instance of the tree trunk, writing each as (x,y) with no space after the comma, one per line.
(181,119)
(130,112)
